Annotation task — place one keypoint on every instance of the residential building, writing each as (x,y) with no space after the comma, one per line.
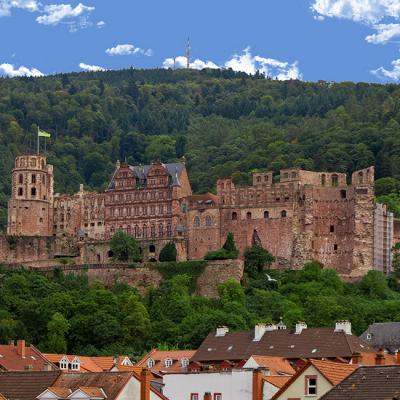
(384,335)
(314,379)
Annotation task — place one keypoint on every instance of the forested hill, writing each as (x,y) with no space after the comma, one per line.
(221,121)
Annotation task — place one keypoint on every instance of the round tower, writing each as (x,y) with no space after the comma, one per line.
(30,209)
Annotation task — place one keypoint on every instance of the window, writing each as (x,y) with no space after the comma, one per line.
(169,230)
(33,178)
(286,175)
(360,177)
(311,385)
(283,214)
(137,231)
(64,363)
(168,362)
(335,180)
(234,216)
(152,248)
(161,230)
(144,231)
(150,363)
(266,214)
(208,220)
(184,362)
(194,396)
(369,336)
(332,228)
(196,221)
(323,179)
(20,178)
(293,174)
(258,179)
(248,215)
(342,194)
(217,396)
(33,192)
(76,364)
(128,230)
(20,192)
(153,231)
(335,247)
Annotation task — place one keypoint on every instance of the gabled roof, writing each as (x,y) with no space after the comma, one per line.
(311,343)
(368,383)
(276,380)
(26,385)
(159,357)
(276,365)
(383,335)
(333,373)
(91,392)
(10,360)
(59,392)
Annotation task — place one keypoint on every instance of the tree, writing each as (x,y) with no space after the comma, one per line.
(256,258)
(228,250)
(124,247)
(396,260)
(57,328)
(168,252)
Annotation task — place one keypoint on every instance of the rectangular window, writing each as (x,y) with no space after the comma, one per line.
(332,228)
(194,396)
(217,396)
(311,385)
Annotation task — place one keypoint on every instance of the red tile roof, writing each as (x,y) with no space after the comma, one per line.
(92,392)
(10,360)
(277,380)
(60,392)
(276,365)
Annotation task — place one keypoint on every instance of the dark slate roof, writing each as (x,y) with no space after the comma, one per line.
(174,170)
(383,335)
(111,382)
(26,385)
(368,383)
(311,343)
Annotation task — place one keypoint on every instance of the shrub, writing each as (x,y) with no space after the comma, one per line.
(168,252)
(227,252)
(124,247)
(256,258)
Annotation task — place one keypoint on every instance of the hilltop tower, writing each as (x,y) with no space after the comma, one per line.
(30,209)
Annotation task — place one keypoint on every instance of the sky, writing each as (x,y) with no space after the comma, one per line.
(331,40)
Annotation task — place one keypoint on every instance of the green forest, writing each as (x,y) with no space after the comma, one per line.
(67,314)
(222,122)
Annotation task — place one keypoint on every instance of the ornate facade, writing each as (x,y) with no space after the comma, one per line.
(303,216)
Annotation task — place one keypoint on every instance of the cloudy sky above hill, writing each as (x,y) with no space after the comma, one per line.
(338,40)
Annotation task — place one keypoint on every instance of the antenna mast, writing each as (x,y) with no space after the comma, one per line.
(188,53)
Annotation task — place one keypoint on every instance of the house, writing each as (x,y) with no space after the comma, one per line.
(87,364)
(59,385)
(380,382)
(385,335)
(164,362)
(314,379)
(20,357)
(336,343)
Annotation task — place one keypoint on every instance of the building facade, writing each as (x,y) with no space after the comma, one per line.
(302,216)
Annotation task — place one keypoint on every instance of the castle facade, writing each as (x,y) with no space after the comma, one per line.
(304,216)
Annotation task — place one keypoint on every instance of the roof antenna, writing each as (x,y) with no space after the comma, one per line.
(188,53)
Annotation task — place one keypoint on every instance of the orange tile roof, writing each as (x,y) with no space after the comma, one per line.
(369,359)
(10,360)
(159,357)
(92,392)
(333,371)
(106,363)
(60,392)
(87,364)
(277,380)
(275,364)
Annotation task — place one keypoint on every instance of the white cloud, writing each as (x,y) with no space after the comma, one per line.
(64,13)
(393,74)
(11,71)
(127,50)
(181,62)
(385,33)
(91,68)
(271,67)
(7,5)
(244,62)
(100,24)
(367,11)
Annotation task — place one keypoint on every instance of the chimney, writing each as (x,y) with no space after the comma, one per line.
(145,378)
(207,396)
(222,331)
(21,348)
(257,384)
(259,331)
(398,357)
(270,327)
(11,342)
(343,326)
(380,357)
(299,327)
(47,367)
(356,358)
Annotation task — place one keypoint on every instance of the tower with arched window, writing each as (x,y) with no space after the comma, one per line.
(30,208)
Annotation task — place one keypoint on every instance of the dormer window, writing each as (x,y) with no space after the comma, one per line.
(64,363)
(168,362)
(150,363)
(185,362)
(76,364)
(369,336)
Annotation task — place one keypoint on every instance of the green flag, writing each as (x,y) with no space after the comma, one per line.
(43,134)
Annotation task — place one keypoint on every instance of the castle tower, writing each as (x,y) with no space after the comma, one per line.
(30,209)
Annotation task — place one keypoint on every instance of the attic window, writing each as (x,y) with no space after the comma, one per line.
(64,364)
(76,364)
(168,362)
(313,351)
(369,336)
(184,362)
(150,363)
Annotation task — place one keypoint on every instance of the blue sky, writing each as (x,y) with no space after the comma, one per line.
(338,40)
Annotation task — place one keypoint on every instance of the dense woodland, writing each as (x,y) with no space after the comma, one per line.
(222,122)
(66,314)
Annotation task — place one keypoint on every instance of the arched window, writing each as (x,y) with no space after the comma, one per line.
(248,215)
(161,230)
(184,362)
(153,231)
(128,230)
(145,231)
(33,178)
(266,214)
(335,180)
(152,248)
(258,179)
(168,362)
(20,178)
(137,231)
(150,363)
(294,174)
(234,216)
(76,364)
(20,191)
(64,363)
(283,213)
(112,230)
(33,192)
(360,177)
(196,222)
(343,194)
(169,230)
(208,220)
(323,179)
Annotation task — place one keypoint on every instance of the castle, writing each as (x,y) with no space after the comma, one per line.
(304,216)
